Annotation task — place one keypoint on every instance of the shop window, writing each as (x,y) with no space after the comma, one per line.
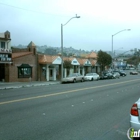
(24,71)
(44,71)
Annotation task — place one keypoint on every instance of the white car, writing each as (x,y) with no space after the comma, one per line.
(135,116)
(116,75)
(91,76)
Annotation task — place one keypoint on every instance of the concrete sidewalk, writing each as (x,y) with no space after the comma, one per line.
(12,85)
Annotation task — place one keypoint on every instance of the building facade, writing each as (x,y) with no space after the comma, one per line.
(5,55)
(25,65)
(49,67)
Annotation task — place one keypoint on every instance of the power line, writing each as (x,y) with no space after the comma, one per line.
(31,10)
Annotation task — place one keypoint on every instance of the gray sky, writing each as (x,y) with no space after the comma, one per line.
(40,21)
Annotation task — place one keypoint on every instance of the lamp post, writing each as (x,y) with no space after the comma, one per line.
(62,43)
(116,34)
(112,41)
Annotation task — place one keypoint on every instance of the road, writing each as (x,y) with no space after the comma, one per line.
(97,110)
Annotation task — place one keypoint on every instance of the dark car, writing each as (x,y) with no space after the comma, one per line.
(121,72)
(106,75)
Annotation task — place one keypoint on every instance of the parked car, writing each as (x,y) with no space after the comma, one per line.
(135,115)
(133,73)
(116,75)
(121,72)
(91,76)
(131,68)
(74,77)
(106,75)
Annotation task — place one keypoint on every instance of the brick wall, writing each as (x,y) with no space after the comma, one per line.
(13,68)
(14,50)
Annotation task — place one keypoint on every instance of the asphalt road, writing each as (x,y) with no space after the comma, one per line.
(97,110)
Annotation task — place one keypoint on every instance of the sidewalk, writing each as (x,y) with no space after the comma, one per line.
(12,85)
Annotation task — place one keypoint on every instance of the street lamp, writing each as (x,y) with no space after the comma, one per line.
(62,43)
(112,41)
(116,34)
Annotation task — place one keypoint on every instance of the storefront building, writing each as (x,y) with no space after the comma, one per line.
(5,55)
(49,67)
(25,65)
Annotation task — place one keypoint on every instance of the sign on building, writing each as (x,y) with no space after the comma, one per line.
(5,57)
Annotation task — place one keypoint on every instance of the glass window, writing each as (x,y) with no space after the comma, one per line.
(24,72)
(3,45)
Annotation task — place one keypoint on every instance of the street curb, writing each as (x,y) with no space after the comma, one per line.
(26,86)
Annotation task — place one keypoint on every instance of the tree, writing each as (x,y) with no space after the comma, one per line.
(103,59)
(70,54)
(64,54)
(67,64)
(137,53)
(133,60)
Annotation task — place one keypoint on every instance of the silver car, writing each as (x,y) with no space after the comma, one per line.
(135,115)
(74,77)
(92,76)
(116,75)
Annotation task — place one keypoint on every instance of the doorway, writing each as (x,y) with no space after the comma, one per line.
(2,72)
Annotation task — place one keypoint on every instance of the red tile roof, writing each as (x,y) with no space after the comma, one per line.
(68,58)
(93,62)
(46,59)
(20,54)
(81,60)
(92,55)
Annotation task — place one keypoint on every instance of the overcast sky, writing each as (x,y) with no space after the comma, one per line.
(40,21)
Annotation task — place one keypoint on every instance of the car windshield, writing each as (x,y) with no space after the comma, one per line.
(72,75)
(115,72)
(89,74)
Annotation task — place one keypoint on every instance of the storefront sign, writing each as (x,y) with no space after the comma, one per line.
(5,57)
(5,50)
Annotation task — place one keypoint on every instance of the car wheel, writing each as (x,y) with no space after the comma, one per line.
(91,79)
(82,80)
(74,80)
